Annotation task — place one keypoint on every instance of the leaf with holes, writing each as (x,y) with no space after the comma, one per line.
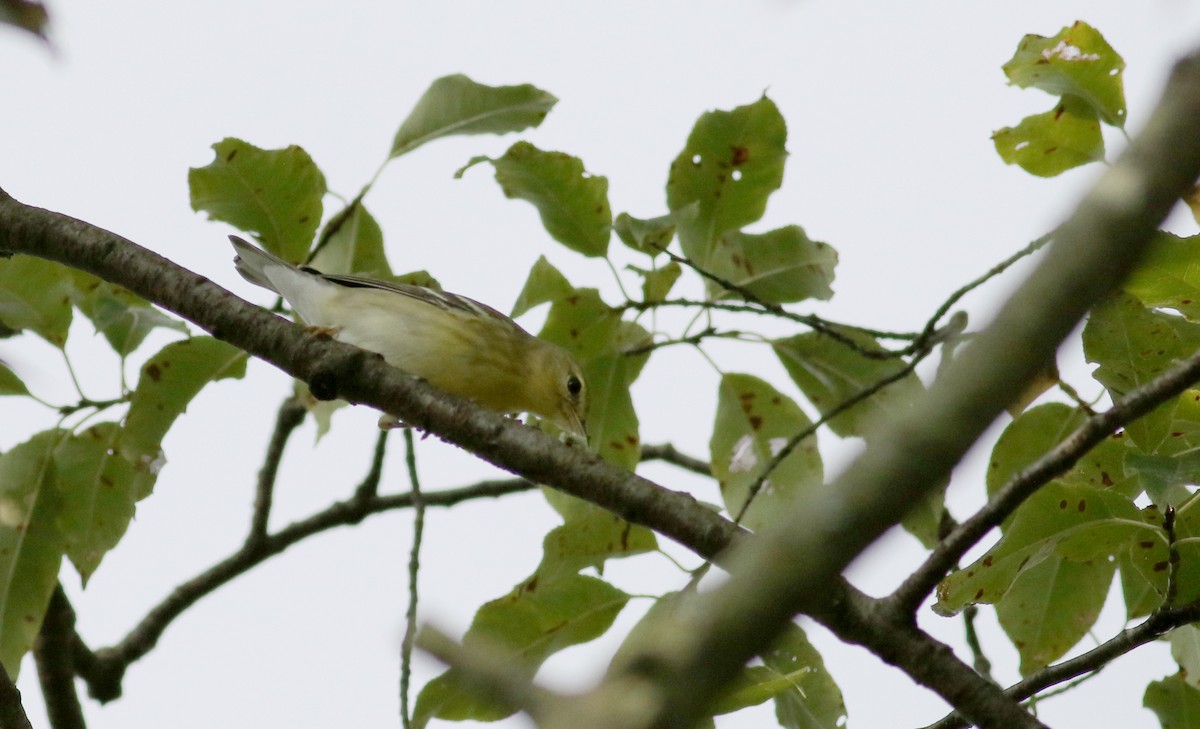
(1049,144)
(732,162)
(1169,275)
(754,424)
(1076,62)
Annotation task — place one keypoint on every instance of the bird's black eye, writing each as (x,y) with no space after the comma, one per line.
(574,385)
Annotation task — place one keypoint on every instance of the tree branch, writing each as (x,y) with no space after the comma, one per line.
(908,597)
(1154,627)
(54,651)
(12,712)
(793,561)
(337,370)
(291,415)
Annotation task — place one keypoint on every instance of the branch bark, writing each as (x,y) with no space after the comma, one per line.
(786,569)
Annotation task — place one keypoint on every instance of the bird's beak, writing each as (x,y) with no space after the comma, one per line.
(571,421)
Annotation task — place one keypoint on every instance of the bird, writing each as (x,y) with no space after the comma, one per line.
(455,343)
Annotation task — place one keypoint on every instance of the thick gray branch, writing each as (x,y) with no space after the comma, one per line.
(784,572)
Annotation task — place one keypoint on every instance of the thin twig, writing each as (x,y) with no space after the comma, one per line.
(291,415)
(414,569)
(707,333)
(980,661)
(667,453)
(1155,626)
(53,651)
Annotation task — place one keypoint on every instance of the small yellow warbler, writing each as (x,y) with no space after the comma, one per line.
(457,344)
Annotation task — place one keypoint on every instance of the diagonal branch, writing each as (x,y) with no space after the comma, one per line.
(337,370)
(784,570)
(908,597)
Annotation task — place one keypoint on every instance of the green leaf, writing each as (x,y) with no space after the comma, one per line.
(583,324)
(924,521)
(1051,606)
(1174,702)
(99,488)
(274,194)
(588,538)
(10,384)
(1049,144)
(545,283)
(650,236)
(754,422)
(1079,523)
(1029,437)
(457,105)
(657,283)
(815,702)
(531,623)
(1132,345)
(36,294)
(124,318)
(169,381)
(732,162)
(31,546)
(1141,595)
(829,373)
(1078,62)
(573,204)
(1185,649)
(1169,275)
(355,248)
(778,267)
(612,421)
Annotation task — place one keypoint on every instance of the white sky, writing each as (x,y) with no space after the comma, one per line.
(889,107)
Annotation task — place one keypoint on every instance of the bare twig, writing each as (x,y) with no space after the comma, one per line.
(414,569)
(291,414)
(980,661)
(669,454)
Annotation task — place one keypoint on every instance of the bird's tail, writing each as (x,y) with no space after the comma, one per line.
(252,262)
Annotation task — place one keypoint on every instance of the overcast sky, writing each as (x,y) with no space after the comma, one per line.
(889,106)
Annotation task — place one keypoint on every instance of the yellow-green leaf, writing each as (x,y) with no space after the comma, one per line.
(10,384)
(780,266)
(31,546)
(732,162)
(545,283)
(532,623)
(274,194)
(99,488)
(572,203)
(1174,702)
(35,294)
(650,236)
(124,318)
(1049,144)
(1077,61)
(830,372)
(169,381)
(754,423)
(1169,275)
(356,247)
(457,105)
